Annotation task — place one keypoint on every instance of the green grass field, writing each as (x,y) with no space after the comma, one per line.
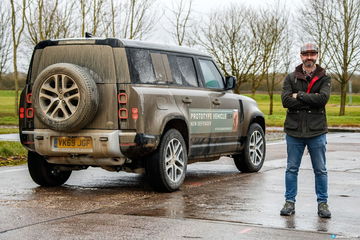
(7,108)
(352,117)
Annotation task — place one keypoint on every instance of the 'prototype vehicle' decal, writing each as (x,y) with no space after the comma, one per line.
(213,120)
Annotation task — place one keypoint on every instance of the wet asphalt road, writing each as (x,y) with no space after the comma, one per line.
(215,202)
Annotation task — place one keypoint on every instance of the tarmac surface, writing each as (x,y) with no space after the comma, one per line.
(215,202)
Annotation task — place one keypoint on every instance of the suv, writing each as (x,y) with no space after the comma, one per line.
(133,106)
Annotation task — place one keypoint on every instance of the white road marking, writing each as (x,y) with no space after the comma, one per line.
(246,230)
(13,170)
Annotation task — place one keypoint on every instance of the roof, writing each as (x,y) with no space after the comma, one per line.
(163,47)
(115,42)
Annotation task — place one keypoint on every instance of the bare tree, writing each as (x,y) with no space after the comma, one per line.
(4,40)
(136,20)
(130,19)
(180,20)
(111,21)
(97,15)
(316,25)
(45,19)
(339,39)
(65,19)
(92,16)
(264,34)
(40,20)
(278,43)
(228,38)
(17,28)
(344,47)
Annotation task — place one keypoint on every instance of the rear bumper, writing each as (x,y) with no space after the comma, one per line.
(109,147)
(105,143)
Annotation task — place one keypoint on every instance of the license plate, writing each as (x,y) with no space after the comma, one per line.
(73,142)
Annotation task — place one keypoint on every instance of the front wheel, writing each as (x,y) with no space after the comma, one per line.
(166,168)
(252,157)
(44,173)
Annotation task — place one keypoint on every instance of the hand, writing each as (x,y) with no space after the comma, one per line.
(294,95)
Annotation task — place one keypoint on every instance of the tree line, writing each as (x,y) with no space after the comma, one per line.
(256,45)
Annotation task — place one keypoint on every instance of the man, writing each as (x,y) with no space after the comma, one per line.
(305,94)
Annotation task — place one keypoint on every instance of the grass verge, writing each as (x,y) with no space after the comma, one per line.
(12,153)
(8,130)
(7,107)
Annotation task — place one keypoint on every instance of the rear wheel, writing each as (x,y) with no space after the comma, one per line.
(166,167)
(252,157)
(44,173)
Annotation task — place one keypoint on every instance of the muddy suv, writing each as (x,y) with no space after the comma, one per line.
(133,106)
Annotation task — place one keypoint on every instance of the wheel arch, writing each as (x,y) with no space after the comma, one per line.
(259,119)
(179,123)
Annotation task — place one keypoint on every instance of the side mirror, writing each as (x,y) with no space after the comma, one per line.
(230,82)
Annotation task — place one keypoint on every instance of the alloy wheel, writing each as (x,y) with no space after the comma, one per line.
(59,97)
(174,160)
(256,147)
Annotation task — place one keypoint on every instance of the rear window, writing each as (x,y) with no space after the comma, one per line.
(140,65)
(183,70)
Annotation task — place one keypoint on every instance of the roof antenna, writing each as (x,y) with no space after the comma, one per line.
(88,35)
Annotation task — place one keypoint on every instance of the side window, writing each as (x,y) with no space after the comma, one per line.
(183,70)
(212,77)
(161,67)
(140,65)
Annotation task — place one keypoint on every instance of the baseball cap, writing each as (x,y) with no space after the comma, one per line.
(309,47)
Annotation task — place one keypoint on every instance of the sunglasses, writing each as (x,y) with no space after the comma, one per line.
(311,54)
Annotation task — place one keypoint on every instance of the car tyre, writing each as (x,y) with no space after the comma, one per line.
(44,173)
(166,168)
(252,157)
(65,97)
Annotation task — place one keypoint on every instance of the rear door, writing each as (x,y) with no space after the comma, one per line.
(225,108)
(99,61)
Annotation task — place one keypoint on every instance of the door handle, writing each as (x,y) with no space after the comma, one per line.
(216,101)
(187,100)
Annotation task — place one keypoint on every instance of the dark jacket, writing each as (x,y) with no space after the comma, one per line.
(306,116)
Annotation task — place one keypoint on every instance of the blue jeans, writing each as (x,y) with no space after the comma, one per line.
(295,149)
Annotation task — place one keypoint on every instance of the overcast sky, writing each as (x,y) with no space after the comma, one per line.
(201,8)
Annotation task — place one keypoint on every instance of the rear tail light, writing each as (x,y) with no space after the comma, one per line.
(29,113)
(135,113)
(123,113)
(22,112)
(28,98)
(122,98)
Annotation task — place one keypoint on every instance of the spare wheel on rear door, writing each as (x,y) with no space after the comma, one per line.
(65,97)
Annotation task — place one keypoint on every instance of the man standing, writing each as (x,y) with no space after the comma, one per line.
(305,94)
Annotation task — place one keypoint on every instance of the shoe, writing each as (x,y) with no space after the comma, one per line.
(323,210)
(288,209)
